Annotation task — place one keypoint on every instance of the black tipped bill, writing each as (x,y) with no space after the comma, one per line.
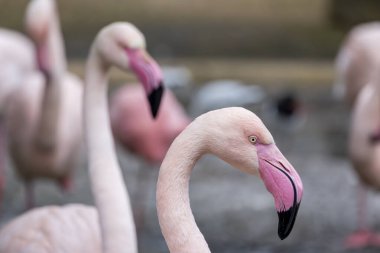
(155,99)
(286,221)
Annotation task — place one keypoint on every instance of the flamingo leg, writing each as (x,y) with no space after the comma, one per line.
(66,184)
(29,195)
(363,236)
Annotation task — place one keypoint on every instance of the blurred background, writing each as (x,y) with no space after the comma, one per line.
(286,50)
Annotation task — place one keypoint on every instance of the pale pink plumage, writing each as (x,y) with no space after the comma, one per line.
(43,116)
(53,229)
(364,151)
(358,66)
(143,135)
(16,60)
(239,137)
(79,225)
(357,57)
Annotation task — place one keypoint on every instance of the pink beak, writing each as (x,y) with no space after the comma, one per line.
(282,180)
(150,76)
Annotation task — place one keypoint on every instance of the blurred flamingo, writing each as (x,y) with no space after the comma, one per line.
(16,59)
(109,228)
(354,63)
(44,112)
(144,136)
(358,81)
(239,137)
(364,150)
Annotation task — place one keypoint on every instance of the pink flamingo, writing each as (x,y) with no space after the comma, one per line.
(357,65)
(364,150)
(44,113)
(146,137)
(239,137)
(354,61)
(143,135)
(110,227)
(16,59)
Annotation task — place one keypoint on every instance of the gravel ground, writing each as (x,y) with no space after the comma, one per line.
(234,211)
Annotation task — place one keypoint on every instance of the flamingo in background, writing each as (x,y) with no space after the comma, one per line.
(143,135)
(354,62)
(239,137)
(44,113)
(357,79)
(109,228)
(16,59)
(364,150)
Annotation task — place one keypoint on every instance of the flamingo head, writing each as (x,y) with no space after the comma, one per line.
(39,16)
(123,45)
(244,142)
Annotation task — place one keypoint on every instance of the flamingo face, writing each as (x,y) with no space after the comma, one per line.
(283,182)
(149,74)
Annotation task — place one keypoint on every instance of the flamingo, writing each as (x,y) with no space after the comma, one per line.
(16,59)
(364,151)
(239,137)
(143,135)
(44,113)
(110,227)
(354,61)
(357,65)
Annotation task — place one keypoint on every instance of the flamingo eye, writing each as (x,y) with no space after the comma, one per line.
(252,139)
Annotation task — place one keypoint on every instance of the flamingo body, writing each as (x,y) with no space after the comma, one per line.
(16,59)
(365,154)
(148,137)
(71,228)
(22,122)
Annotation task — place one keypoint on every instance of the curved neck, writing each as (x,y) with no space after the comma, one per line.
(111,198)
(46,131)
(173,205)
(56,47)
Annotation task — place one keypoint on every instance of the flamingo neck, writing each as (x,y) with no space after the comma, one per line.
(111,197)
(46,135)
(173,205)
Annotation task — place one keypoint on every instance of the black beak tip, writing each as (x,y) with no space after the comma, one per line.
(286,221)
(155,99)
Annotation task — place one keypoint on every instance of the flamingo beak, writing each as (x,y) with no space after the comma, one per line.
(284,183)
(150,76)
